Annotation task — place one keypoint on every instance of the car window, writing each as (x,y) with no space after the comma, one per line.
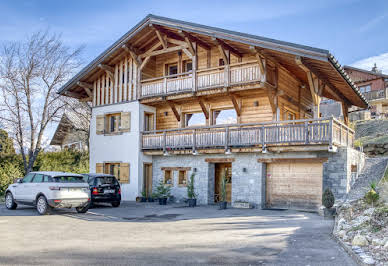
(28,178)
(69,179)
(106,180)
(91,181)
(38,178)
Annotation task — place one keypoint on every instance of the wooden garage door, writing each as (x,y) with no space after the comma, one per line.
(294,185)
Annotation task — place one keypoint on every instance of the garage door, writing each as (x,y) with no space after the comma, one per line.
(294,185)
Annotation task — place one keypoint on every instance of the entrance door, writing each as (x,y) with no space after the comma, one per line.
(220,169)
(147,178)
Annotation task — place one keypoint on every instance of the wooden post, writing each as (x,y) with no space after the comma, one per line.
(194,139)
(226,138)
(331,132)
(306,131)
(164,141)
(165,85)
(194,64)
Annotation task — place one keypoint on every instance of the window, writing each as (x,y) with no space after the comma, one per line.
(187,66)
(168,178)
(195,119)
(113,123)
(221,62)
(222,117)
(113,169)
(172,69)
(366,88)
(289,115)
(47,178)
(117,169)
(38,178)
(148,121)
(28,178)
(182,178)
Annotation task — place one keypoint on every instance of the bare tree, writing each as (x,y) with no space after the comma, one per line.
(31,72)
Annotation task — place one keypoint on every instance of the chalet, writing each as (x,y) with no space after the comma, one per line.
(373,85)
(72,132)
(171,98)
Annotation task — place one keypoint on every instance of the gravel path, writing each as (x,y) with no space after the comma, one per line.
(373,171)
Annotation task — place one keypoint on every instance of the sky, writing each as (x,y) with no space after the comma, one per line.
(354,31)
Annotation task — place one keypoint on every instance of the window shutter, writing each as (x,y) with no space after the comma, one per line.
(124,172)
(100,168)
(100,124)
(125,122)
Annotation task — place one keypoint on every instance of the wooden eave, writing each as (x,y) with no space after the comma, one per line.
(143,36)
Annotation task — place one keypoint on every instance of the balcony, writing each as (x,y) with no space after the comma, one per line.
(287,133)
(375,95)
(215,77)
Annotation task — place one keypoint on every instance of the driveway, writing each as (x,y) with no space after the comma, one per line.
(149,234)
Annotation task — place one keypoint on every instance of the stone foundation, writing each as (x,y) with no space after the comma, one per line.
(248,175)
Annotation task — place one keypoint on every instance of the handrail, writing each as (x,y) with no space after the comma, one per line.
(168,76)
(243,125)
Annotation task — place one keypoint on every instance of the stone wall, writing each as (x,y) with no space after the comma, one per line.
(341,170)
(376,149)
(246,176)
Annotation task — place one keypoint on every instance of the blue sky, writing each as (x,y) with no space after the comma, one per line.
(354,31)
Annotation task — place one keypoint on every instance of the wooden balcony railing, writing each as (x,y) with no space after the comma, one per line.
(295,132)
(374,95)
(223,76)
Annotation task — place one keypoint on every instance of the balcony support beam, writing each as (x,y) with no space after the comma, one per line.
(192,38)
(162,38)
(174,110)
(226,46)
(345,112)
(236,105)
(203,107)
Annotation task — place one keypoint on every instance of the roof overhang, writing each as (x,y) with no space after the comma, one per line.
(279,49)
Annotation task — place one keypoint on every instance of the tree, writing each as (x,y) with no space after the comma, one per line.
(6,144)
(31,72)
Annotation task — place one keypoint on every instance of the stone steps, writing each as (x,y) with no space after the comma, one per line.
(373,171)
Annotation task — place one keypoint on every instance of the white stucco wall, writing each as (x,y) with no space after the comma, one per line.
(121,148)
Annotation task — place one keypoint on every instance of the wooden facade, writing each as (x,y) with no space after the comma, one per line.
(183,69)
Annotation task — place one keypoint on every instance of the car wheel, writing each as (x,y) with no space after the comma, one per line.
(42,206)
(82,209)
(10,202)
(116,204)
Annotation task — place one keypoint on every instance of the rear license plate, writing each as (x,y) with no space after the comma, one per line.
(107,191)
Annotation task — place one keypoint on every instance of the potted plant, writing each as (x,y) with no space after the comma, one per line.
(143,197)
(223,202)
(328,202)
(191,193)
(163,192)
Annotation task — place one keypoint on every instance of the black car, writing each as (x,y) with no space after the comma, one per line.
(104,188)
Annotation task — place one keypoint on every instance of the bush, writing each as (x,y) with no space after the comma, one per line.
(162,191)
(190,188)
(8,173)
(328,198)
(371,197)
(64,161)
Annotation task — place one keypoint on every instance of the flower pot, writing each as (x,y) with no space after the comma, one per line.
(162,201)
(192,202)
(223,205)
(143,199)
(150,199)
(329,213)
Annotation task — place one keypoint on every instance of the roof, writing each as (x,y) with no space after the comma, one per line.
(366,71)
(68,120)
(276,47)
(54,174)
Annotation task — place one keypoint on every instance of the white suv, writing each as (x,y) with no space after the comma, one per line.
(47,190)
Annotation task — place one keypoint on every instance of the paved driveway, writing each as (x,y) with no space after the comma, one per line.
(149,234)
